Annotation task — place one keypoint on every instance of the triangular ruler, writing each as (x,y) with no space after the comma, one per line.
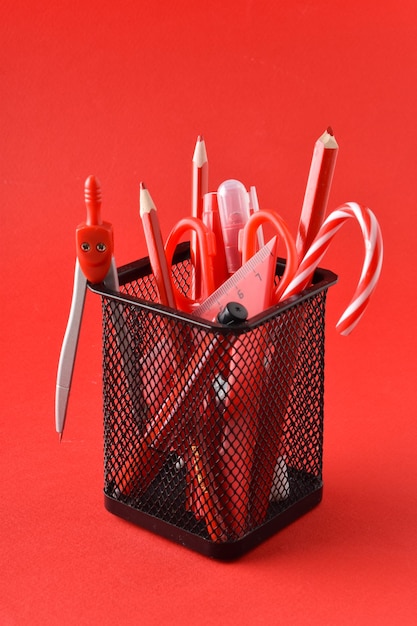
(251,285)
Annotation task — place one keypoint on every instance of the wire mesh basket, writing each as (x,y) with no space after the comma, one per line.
(213,434)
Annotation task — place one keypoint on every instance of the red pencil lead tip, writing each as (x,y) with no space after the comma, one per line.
(330,131)
(200,138)
(142,185)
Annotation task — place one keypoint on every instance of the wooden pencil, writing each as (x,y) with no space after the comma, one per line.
(155,246)
(317,191)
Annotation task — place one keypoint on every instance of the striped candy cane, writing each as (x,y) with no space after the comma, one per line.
(371,267)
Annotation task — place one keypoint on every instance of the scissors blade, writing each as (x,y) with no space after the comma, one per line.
(206,246)
(69,348)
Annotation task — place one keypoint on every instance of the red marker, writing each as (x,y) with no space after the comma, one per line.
(211,218)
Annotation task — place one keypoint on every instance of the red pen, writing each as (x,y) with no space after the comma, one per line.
(211,218)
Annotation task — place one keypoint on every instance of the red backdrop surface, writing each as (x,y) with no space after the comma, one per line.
(122,90)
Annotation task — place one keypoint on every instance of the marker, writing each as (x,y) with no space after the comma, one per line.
(234,213)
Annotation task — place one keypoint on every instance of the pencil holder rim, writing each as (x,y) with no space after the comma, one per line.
(322,279)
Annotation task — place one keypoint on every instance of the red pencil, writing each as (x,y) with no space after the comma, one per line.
(199,188)
(155,246)
(317,191)
(200,177)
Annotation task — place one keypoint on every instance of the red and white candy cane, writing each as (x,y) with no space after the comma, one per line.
(371,267)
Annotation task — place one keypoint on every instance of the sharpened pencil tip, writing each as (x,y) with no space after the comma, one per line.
(330,131)
(200,153)
(146,204)
(60,437)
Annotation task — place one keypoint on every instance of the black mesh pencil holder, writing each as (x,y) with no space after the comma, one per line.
(213,434)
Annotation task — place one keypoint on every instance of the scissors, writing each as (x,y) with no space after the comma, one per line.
(249,240)
(247,374)
(95,263)
(206,249)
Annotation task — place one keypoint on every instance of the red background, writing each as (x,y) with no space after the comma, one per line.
(122,90)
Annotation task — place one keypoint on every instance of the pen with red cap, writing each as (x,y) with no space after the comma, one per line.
(211,218)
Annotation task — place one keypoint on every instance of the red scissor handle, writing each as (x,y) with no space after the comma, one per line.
(249,245)
(206,248)
(94,238)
